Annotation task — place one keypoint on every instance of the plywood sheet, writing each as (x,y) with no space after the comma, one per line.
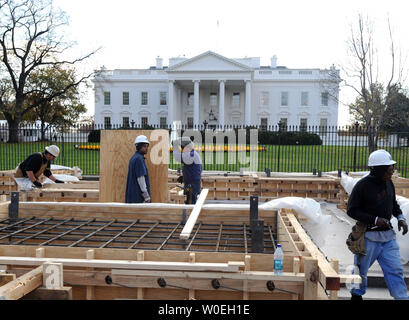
(117,148)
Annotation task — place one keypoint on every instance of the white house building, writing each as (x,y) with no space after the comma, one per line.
(214,90)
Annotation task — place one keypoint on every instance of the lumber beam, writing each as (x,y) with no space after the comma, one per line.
(22,285)
(123,264)
(6,278)
(187,229)
(311,279)
(328,277)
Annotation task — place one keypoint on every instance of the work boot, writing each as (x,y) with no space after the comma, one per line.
(356,297)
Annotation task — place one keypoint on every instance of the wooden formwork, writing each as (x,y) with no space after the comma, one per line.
(266,188)
(8,184)
(101,272)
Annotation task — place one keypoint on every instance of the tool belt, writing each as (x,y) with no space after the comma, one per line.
(356,239)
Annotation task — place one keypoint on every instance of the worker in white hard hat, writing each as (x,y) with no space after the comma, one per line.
(183,152)
(38,164)
(373,204)
(137,184)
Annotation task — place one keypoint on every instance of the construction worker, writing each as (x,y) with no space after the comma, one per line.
(192,167)
(137,185)
(37,164)
(373,202)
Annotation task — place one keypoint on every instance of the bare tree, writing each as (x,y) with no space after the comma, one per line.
(366,75)
(31,38)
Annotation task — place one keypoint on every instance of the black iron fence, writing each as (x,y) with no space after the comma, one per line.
(264,148)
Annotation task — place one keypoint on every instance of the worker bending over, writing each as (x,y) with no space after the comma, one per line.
(192,165)
(137,185)
(37,164)
(373,202)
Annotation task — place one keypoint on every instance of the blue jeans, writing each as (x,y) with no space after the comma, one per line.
(196,188)
(388,256)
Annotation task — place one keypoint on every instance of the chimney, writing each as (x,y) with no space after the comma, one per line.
(274,61)
(159,63)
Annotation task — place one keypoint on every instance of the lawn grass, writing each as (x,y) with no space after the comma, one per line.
(284,158)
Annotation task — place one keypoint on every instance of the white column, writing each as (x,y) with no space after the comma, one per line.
(221,102)
(247,107)
(171,102)
(196,104)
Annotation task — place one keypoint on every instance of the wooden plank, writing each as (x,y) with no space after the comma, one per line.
(192,259)
(117,148)
(140,257)
(328,277)
(100,263)
(187,229)
(64,293)
(22,285)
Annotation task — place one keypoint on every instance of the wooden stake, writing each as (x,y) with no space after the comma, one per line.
(333,295)
(247,260)
(140,256)
(90,294)
(311,279)
(192,259)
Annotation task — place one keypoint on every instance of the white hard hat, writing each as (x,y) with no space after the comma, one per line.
(54,150)
(141,139)
(380,158)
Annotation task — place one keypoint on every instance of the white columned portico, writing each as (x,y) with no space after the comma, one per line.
(171,111)
(196,104)
(247,107)
(221,102)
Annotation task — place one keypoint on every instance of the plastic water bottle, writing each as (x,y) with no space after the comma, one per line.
(278,260)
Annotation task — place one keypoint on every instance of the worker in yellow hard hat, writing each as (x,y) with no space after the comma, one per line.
(37,164)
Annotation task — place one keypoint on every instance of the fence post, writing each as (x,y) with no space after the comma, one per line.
(356,143)
(279,144)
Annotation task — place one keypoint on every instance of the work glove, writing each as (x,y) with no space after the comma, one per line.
(58,181)
(37,184)
(180,179)
(146,197)
(403,224)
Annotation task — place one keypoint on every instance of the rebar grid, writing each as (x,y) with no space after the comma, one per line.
(135,234)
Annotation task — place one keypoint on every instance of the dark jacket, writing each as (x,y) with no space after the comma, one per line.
(371,198)
(34,163)
(137,168)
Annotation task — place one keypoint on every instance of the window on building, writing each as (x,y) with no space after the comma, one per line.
(163,122)
(324,98)
(213,99)
(303,124)
(162,98)
(284,98)
(190,122)
(236,99)
(304,98)
(263,123)
(125,98)
(144,98)
(125,122)
(144,121)
(190,96)
(323,126)
(283,124)
(264,99)
(107,122)
(107,98)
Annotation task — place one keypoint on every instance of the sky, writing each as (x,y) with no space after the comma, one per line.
(303,34)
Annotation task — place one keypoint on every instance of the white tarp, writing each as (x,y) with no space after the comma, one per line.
(25,184)
(307,207)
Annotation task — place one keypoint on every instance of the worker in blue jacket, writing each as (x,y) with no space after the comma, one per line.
(373,203)
(137,184)
(183,152)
